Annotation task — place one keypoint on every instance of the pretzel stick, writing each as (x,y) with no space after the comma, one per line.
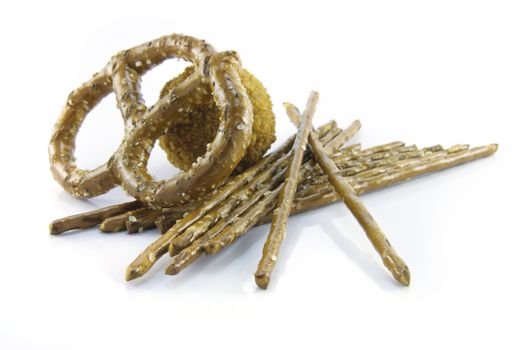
(240,224)
(188,251)
(250,194)
(90,219)
(153,252)
(213,242)
(164,222)
(168,217)
(391,260)
(240,227)
(140,219)
(149,219)
(320,183)
(366,175)
(225,209)
(93,218)
(302,204)
(141,222)
(376,157)
(353,153)
(346,161)
(305,203)
(118,222)
(286,196)
(227,236)
(343,137)
(355,147)
(403,156)
(226,231)
(273,174)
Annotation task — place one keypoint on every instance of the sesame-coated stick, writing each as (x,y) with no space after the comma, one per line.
(286,197)
(365,185)
(154,251)
(226,232)
(268,178)
(362,184)
(90,219)
(118,222)
(390,258)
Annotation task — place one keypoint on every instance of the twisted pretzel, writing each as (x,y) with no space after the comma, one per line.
(90,183)
(143,126)
(225,151)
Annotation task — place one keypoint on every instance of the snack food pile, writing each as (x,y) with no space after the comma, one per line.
(215,123)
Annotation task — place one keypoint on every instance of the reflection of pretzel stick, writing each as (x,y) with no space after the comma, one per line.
(89,183)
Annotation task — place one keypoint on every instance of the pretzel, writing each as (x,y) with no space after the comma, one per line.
(218,74)
(89,183)
(224,153)
(205,120)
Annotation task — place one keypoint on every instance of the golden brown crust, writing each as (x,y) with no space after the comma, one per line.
(90,219)
(224,135)
(225,151)
(277,233)
(390,258)
(79,182)
(259,203)
(154,251)
(89,183)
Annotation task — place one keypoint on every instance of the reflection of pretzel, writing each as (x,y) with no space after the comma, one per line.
(144,125)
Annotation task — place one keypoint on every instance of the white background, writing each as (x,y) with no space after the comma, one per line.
(417,71)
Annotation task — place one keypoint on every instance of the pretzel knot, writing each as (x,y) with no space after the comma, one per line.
(210,119)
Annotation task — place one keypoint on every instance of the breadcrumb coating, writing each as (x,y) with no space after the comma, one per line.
(197,122)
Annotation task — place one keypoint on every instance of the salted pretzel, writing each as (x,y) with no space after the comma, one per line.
(90,183)
(144,125)
(225,151)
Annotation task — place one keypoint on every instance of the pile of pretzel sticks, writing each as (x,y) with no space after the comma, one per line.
(249,199)
(207,207)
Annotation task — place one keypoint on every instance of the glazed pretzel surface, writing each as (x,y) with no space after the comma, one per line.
(90,183)
(143,125)
(224,152)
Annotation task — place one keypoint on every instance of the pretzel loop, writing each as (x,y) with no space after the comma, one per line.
(89,183)
(224,153)
(79,182)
